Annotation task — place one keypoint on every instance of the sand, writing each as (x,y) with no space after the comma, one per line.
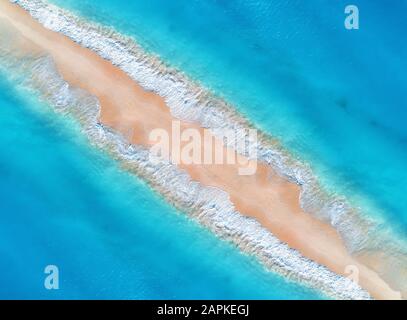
(129,109)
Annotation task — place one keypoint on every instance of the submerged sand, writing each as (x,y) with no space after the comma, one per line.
(129,109)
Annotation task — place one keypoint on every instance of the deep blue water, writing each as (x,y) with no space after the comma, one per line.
(334,97)
(67,204)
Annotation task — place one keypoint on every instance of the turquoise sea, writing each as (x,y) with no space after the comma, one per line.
(334,97)
(67,204)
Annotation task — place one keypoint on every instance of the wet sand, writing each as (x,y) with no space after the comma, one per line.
(129,109)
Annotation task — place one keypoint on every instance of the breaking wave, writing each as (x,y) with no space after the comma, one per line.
(190,101)
(209,206)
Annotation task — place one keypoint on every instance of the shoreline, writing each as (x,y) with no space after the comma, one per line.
(115,90)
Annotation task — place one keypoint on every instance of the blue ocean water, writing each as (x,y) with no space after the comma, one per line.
(67,204)
(334,97)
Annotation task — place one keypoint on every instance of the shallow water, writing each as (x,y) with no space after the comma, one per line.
(334,97)
(65,203)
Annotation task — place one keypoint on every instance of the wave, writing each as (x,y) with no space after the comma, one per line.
(188,100)
(209,206)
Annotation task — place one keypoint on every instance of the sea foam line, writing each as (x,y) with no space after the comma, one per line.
(209,206)
(188,101)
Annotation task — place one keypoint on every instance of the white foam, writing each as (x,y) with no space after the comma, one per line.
(189,101)
(211,207)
